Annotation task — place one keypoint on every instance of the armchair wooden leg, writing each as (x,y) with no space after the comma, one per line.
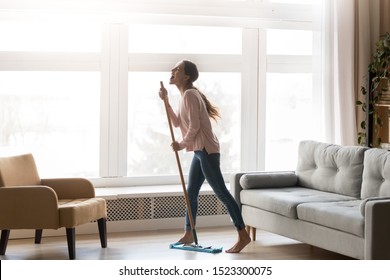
(38,236)
(4,241)
(102,232)
(71,238)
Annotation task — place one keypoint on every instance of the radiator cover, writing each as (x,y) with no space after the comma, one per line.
(160,207)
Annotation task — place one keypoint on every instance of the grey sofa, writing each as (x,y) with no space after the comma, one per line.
(338,198)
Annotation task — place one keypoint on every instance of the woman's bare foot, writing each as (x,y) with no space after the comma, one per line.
(243,240)
(187,238)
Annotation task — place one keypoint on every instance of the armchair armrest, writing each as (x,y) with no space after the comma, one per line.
(28,207)
(377,229)
(70,188)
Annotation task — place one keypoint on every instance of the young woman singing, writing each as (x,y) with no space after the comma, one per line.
(193,119)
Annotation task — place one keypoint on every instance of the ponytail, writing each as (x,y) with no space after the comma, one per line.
(212,110)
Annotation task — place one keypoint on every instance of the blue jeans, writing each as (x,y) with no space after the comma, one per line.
(207,166)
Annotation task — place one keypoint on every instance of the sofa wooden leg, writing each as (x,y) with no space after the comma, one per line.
(38,236)
(71,238)
(4,241)
(253,234)
(102,225)
(252,231)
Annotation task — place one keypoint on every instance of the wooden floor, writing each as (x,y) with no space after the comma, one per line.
(154,245)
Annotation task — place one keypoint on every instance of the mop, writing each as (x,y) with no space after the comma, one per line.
(178,245)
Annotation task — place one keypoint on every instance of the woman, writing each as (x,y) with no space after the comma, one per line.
(193,118)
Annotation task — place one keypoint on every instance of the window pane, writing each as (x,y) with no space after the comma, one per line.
(149,138)
(50,36)
(184,39)
(54,116)
(289,42)
(289,118)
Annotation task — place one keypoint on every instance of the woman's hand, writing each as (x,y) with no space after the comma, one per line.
(163,93)
(176,146)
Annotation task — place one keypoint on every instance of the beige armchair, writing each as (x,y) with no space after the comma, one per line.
(28,202)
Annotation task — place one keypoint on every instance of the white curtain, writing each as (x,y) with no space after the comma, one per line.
(337,74)
(348,31)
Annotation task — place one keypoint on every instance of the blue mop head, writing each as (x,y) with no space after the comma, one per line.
(194,247)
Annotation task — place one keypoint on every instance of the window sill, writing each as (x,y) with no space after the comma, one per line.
(111,193)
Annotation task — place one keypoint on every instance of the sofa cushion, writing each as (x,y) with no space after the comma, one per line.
(284,201)
(376,174)
(268,179)
(341,215)
(331,168)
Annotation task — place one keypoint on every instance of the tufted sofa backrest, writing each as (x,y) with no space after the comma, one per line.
(331,168)
(376,174)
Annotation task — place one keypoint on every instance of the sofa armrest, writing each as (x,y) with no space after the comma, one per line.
(71,188)
(260,179)
(235,187)
(377,229)
(364,202)
(28,207)
(276,179)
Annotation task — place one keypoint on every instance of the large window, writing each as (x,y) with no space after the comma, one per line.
(80,91)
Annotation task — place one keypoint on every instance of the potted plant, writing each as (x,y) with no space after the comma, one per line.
(375,93)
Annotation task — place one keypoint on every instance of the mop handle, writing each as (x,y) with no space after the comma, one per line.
(180,171)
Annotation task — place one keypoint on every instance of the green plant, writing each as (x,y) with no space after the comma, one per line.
(379,72)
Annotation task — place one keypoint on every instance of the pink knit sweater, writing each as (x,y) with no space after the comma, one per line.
(194,123)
